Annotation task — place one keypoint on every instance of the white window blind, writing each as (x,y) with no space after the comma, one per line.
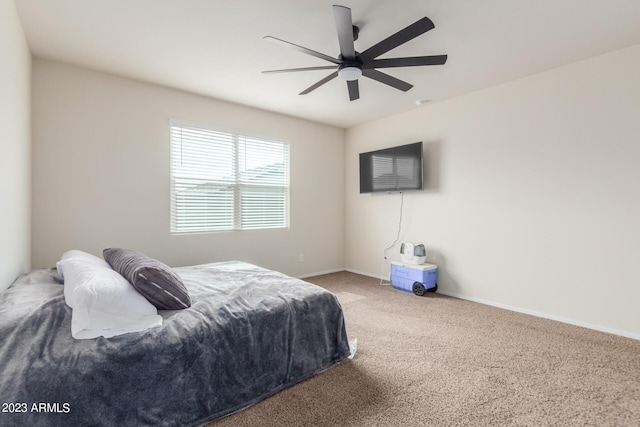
(223,181)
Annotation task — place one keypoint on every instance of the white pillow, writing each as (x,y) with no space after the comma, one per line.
(78,255)
(104,303)
(74,253)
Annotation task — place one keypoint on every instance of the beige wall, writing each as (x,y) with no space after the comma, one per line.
(533,193)
(101,174)
(15,89)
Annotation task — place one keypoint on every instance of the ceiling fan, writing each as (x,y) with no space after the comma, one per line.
(351,65)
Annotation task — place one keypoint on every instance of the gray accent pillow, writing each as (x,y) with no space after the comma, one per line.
(154,280)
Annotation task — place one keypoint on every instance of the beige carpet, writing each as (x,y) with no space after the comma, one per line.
(441,361)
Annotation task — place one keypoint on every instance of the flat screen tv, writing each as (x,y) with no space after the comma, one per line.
(392,169)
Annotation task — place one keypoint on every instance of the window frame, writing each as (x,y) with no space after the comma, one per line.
(236,184)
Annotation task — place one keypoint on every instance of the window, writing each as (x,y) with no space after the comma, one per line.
(223,181)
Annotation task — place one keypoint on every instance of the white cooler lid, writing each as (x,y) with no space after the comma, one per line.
(423,267)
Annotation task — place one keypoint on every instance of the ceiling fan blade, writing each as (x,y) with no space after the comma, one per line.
(287,70)
(344,27)
(414,61)
(303,49)
(387,79)
(320,83)
(354,90)
(412,31)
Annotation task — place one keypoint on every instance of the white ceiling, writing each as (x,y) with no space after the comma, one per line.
(215,47)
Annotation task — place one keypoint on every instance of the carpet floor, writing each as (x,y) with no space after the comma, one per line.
(441,361)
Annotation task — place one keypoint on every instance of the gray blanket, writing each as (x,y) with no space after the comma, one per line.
(249,333)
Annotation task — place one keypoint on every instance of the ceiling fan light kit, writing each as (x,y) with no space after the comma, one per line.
(350,73)
(351,65)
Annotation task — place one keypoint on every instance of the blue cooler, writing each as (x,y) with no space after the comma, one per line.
(417,279)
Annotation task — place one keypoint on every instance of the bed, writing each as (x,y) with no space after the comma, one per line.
(249,333)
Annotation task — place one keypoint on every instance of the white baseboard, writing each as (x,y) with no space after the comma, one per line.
(320,273)
(543,315)
(384,280)
(364,273)
(503,306)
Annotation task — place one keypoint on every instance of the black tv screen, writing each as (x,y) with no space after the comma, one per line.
(392,169)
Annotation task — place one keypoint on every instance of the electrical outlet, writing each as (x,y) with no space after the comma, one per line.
(301,257)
